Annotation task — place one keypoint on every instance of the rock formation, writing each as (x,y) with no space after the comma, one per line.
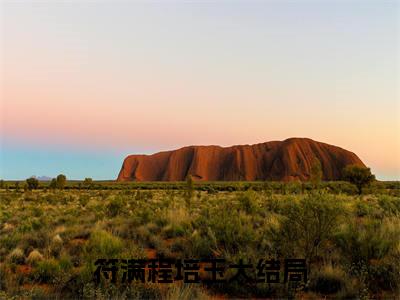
(277,160)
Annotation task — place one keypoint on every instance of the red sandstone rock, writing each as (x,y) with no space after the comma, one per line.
(278,160)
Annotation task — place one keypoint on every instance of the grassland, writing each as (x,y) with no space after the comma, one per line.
(50,239)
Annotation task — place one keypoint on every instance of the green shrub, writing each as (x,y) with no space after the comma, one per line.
(390,205)
(34,239)
(308,225)
(362,209)
(359,176)
(201,245)
(84,200)
(61,181)
(47,271)
(247,201)
(178,246)
(103,245)
(115,207)
(65,263)
(173,230)
(363,242)
(32,183)
(17,256)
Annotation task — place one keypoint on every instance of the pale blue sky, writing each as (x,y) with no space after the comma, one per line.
(88,82)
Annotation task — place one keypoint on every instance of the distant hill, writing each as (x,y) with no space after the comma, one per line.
(42,178)
(286,160)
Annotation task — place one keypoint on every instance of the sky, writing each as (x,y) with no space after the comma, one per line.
(85,83)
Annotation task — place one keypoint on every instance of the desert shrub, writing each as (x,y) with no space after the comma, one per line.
(10,241)
(364,242)
(56,245)
(368,249)
(247,201)
(383,276)
(369,208)
(35,239)
(201,245)
(84,200)
(103,245)
(30,197)
(294,187)
(173,230)
(51,198)
(390,205)
(6,199)
(178,246)
(362,209)
(8,228)
(140,233)
(316,173)
(359,176)
(308,225)
(161,221)
(152,228)
(272,204)
(34,258)
(37,211)
(155,242)
(148,195)
(60,181)
(328,281)
(340,187)
(46,271)
(142,195)
(88,182)
(17,256)
(75,250)
(76,232)
(37,292)
(227,228)
(29,225)
(115,207)
(212,190)
(144,215)
(32,183)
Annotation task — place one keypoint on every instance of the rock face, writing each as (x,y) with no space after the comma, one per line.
(278,160)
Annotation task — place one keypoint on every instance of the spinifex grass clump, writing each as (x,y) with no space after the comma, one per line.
(17,256)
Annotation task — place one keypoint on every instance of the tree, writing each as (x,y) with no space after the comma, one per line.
(359,176)
(61,181)
(53,184)
(32,183)
(88,182)
(316,172)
